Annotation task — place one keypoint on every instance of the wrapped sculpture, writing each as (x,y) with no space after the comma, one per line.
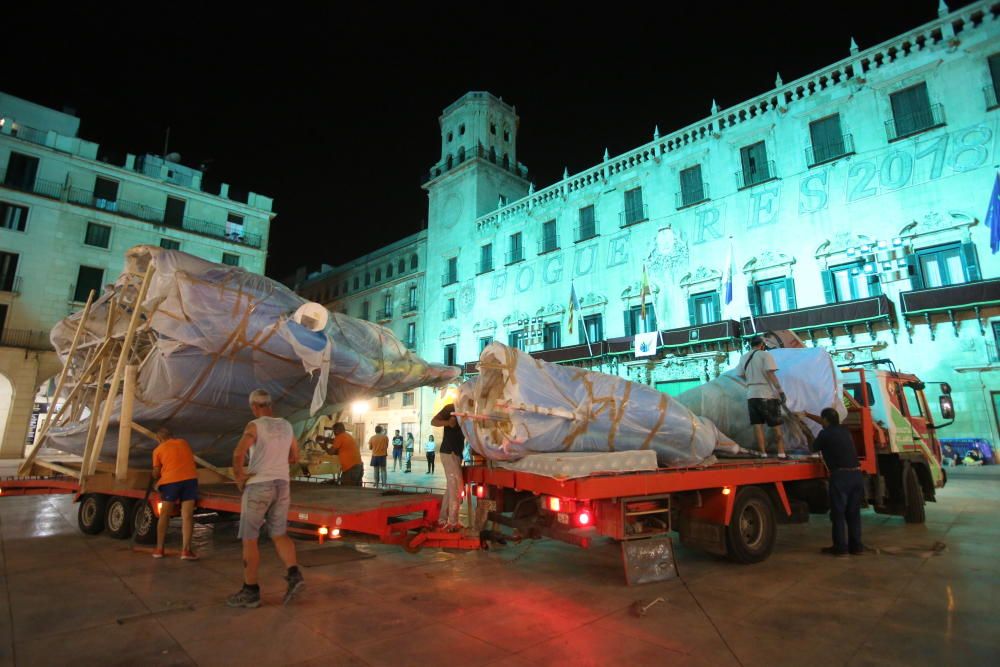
(208,335)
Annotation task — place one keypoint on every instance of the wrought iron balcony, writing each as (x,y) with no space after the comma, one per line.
(449,278)
(383,315)
(409,308)
(586,231)
(990,93)
(633,215)
(845,315)
(692,196)
(548,243)
(515,256)
(26,339)
(761,173)
(484,267)
(38,186)
(951,300)
(906,125)
(817,154)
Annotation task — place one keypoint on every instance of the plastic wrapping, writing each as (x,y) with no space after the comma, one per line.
(212,334)
(520,405)
(811,383)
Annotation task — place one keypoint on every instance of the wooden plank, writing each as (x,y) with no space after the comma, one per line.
(221,471)
(89,456)
(109,403)
(35,446)
(125,421)
(144,431)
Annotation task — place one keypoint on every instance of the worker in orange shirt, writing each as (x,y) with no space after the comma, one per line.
(352,471)
(173,466)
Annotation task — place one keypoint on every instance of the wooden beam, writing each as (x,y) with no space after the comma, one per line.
(109,403)
(35,446)
(125,421)
(144,431)
(205,464)
(89,455)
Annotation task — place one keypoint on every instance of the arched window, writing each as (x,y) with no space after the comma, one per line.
(493,155)
(402,265)
(388,270)
(378,275)
(413,262)
(461,155)
(506,161)
(368,279)
(449,163)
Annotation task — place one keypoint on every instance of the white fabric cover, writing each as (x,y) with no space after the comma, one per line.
(218,332)
(572,465)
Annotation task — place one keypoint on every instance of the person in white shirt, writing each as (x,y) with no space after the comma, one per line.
(429,447)
(270,445)
(764,394)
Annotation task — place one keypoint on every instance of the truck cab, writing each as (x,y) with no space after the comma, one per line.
(908,453)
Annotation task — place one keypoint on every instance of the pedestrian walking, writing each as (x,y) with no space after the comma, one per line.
(397,452)
(409,452)
(268,443)
(429,453)
(379,446)
(174,468)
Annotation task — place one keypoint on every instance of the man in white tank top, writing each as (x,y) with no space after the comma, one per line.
(269,446)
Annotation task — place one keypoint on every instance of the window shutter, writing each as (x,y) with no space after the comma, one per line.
(628,322)
(790,287)
(753,299)
(829,288)
(692,311)
(971,261)
(874,285)
(651,324)
(913,264)
(716,308)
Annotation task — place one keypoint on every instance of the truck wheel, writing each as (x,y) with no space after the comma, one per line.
(143,522)
(751,532)
(90,515)
(914,512)
(117,518)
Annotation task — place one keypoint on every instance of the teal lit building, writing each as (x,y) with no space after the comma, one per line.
(851,202)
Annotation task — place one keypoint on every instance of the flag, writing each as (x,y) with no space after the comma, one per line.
(573,305)
(993,216)
(727,286)
(643,294)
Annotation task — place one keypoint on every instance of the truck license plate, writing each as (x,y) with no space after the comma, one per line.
(562,518)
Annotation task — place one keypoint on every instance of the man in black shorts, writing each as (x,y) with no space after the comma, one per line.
(764,394)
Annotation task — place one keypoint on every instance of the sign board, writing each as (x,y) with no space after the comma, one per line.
(645,344)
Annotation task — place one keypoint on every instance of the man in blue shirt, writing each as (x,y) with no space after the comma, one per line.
(847,489)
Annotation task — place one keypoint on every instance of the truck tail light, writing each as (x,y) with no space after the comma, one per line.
(323,530)
(584,517)
(480,491)
(553,504)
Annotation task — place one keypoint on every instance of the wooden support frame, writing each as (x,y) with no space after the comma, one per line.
(29,459)
(125,421)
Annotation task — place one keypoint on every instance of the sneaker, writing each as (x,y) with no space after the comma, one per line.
(245,598)
(782,455)
(833,551)
(158,553)
(295,584)
(187,554)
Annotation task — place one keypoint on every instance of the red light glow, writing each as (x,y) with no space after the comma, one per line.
(555,504)
(480,492)
(584,518)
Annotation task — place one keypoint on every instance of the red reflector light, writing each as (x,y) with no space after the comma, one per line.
(480,492)
(584,518)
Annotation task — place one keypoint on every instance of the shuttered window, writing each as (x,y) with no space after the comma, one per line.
(753,160)
(692,187)
(634,209)
(772,296)
(827,139)
(911,110)
(704,308)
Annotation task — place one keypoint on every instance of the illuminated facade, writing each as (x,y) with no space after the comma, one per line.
(851,199)
(66,220)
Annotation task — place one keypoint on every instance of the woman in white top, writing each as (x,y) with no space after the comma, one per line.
(429,447)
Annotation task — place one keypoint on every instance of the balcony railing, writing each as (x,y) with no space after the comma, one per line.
(692,196)
(484,267)
(515,168)
(409,308)
(30,134)
(515,256)
(907,125)
(383,315)
(965,297)
(586,231)
(26,339)
(129,209)
(828,317)
(821,153)
(411,345)
(747,178)
(990,93)
(449,279)
(633,215)
(549,243)
(449,314)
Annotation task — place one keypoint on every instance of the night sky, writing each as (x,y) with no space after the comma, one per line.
(332,109)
